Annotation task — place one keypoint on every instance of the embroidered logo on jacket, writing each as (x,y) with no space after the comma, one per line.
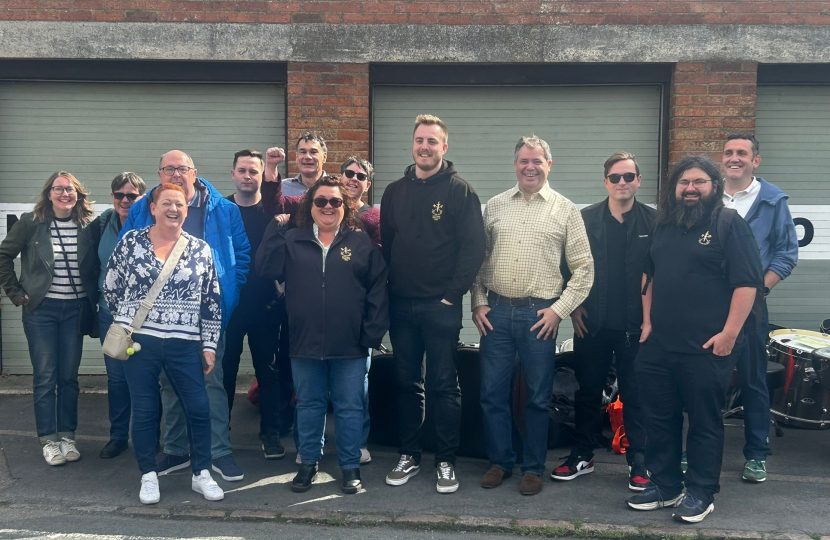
(704,239)
(346,253)
(437,210)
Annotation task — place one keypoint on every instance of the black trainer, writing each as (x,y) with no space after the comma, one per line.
(652,499)
(692,510)
(271,446)
(113,449)
(305,476)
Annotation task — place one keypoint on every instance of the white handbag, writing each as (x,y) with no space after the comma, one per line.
(119,338)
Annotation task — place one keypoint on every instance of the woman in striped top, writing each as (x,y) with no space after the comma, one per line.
(58,281)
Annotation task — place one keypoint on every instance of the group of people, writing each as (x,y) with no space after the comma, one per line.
(315,278)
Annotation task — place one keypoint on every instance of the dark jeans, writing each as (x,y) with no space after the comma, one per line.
(316,381)
(671,383)
(262,328)
(284,376)
(754,394)
(510,334)
(593,360)
(118,391)
(418,327)
(181,361)
(55,348)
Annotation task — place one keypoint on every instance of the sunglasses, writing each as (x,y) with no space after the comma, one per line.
(321,202)
(131,196)
(360,176)
(628,177)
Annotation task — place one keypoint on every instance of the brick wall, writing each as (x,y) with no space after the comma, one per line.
(452,12)
(333,100)
(708,101)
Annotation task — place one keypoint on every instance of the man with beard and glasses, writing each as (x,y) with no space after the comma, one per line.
(702,275)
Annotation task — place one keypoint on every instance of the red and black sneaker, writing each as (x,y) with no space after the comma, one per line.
(574,466)
(638,479)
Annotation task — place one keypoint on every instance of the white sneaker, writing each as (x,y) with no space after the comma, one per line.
(365,456)
(149,488)
(205,484)
(52,453)
(68,450)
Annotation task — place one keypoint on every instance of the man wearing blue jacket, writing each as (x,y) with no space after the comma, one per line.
(218,222)
(764,207)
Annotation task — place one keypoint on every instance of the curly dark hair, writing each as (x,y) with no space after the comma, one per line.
(350,205)
(668,198)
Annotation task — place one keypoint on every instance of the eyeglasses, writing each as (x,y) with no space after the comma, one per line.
(360,176)
(131,196)
(183,170)
(321,202)
(628,177)
(60,190)
(699,183)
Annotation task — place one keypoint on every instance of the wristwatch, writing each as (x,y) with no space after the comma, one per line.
(766,291)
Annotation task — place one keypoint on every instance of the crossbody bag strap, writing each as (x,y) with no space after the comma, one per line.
(66,260)
(166,271)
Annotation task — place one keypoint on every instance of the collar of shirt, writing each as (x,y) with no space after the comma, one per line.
(199,196)
(752,189)
(546,192)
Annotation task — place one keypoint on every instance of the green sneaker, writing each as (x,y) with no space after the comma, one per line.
(755,470)
(684,463)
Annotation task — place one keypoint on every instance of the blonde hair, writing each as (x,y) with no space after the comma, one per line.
(82,211)
(431,120)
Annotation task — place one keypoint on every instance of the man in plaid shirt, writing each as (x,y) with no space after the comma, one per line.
(518,302)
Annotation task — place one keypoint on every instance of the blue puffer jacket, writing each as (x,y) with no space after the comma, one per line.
(224,233)
(771,223)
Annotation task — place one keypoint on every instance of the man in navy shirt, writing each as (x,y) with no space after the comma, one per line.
(703,274)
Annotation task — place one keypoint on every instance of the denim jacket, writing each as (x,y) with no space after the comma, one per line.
(771,223)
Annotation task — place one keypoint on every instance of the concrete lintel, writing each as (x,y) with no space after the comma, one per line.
(357,43)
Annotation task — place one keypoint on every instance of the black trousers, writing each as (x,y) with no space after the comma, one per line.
(669,384)
(594,355)
(419,327)
(262,328)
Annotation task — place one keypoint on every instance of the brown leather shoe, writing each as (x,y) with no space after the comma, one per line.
(493,477)
(531,484)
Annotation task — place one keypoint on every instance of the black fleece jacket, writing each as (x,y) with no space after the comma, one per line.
(336,309)
(432,235)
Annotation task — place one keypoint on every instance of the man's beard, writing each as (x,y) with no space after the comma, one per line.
(687,216)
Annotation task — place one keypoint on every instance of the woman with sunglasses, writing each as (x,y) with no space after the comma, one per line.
(58,292)
(126,188)
(356,175)
(335,293)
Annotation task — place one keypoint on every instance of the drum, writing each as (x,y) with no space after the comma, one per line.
(803,401)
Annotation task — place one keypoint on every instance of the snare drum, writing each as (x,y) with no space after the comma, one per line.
(803,401)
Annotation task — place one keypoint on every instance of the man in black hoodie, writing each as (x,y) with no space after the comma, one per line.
(433,241)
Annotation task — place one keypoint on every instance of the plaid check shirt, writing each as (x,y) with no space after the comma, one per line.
(525,243)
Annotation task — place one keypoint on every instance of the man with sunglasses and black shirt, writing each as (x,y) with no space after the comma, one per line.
(607,324)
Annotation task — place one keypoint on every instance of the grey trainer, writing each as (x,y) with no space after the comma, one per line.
(406,468)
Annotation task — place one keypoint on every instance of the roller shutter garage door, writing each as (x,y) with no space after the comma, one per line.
(97,130)
(583,125)
(793,128)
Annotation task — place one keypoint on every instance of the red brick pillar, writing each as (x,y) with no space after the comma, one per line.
(708,101)
(333,100)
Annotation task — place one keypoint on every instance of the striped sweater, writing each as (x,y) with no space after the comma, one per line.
(66,275)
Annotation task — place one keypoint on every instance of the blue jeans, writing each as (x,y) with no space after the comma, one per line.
(181,361)
(55,348)
(317,380)
(118,391)
(364,436)
(754,394)
(175,424)
(511,334)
